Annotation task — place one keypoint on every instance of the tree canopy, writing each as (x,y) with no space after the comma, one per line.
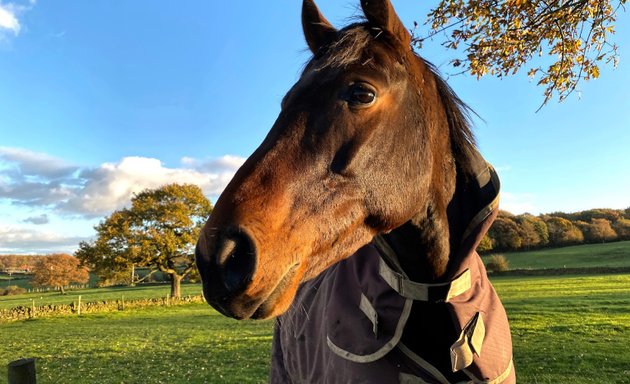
(59,271)
(563,41)
(159,231)
(22,263)
(515,232)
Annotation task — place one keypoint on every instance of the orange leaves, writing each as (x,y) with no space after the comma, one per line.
(518,3)
(499,37)
(59,270)
(532,72)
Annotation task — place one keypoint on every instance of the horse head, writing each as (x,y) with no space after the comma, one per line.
(364,144)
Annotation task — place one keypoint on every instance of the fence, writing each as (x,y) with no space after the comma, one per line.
(57,289)
(78,307)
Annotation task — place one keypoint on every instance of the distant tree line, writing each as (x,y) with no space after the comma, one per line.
(57,270)
(523,232)
(19,263)
(159,231)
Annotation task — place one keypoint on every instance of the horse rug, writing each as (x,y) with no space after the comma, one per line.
(346,325)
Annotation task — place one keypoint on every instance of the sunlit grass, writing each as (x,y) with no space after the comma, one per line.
(566,329)
(183,344)
(615,254)
(569,329)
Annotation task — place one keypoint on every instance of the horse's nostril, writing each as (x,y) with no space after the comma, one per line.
(237,258)
(225,252)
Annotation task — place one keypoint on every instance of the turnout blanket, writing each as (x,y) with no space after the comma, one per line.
(346,325)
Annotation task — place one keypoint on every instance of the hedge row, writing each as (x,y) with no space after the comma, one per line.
(26,312)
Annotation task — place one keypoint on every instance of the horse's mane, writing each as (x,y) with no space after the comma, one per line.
(458,113)
(346,50)
(350,47)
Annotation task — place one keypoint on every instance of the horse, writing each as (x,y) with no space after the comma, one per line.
(355,222)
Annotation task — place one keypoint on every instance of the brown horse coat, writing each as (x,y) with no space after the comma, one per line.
(347,324)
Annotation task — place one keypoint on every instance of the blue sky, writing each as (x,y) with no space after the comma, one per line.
(100,99)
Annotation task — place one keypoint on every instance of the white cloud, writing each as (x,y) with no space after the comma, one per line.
(227,163)
(518,203)
(503,168)
(39,180)
(15,239)
(29,163)
(111,186)
(9,13)
(8,20)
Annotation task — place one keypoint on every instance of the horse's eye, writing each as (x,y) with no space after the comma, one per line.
(360,95)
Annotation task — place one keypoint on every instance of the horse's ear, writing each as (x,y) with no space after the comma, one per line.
(317,30)
(381,14)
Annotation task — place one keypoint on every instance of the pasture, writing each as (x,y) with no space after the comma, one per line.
(569,329)
(616,254)
(566,329)
(18,280)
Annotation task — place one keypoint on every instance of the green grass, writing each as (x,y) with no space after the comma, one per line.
(580,256)
(570,329)
(184,344)
(95,294)
(566,329)
(22,281)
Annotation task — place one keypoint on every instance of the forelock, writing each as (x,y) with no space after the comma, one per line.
(349,48)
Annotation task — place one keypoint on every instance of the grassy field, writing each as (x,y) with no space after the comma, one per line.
(184,344)
(569,329)
(95,294)
(19,280)
(566,329)
(580,256)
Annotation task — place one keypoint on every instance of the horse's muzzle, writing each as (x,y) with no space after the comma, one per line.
(227,261)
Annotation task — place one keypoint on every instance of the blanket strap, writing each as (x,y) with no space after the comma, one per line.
(400,282)
(433,293)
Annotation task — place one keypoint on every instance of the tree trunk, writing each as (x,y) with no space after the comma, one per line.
(63,292)
(176,281)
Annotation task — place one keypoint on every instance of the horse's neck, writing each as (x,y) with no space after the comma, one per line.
(425,243)
(422,246)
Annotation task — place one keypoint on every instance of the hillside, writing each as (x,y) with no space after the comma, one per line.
(615,254)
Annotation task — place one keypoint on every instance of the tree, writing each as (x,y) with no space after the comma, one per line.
(159,231)
(58,271)
(600,230)
(598,213)
(542,230)
(622,227)
(498,37)
(486,244)
(19,262)
(563,232)
(533,231)
(505,233)
(110,256)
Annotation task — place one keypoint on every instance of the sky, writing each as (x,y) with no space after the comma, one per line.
(102,99)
